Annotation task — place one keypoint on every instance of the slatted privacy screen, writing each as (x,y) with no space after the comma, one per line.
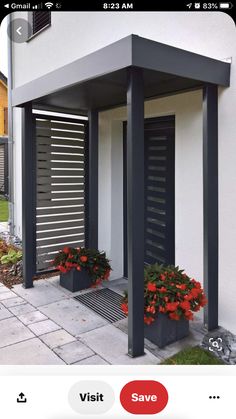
(2,169)
(60,202)
(159,190)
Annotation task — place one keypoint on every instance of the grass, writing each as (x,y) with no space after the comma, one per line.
(3,210)
(193,356)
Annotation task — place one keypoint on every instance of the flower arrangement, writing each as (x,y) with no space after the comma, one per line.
(95,262)
(167,289)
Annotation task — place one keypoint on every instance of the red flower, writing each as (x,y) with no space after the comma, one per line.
(162,309)
(148,320)
(163,289)
(151,309)
(172,306)
(203,300)
(188,297)
(181,287)
(95,268)
(188,315)
(62,269)
(171,274)
(195,292)
(185,305)
(162,277)
(174,316)
(151,287)
(66,250)
(83,258)
(78,268)
(124,308)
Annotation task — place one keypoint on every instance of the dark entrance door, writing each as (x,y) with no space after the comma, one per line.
(159,183)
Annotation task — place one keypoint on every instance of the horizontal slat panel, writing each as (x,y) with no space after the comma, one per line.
(48,203)
(159,235)
(49,149)
(59,165)
(59,125)
(59,188)
(48,180)
(60,157)
(60,141)
(54,226)
(55,211)
(47,195)
(41,132)
(71,243)
(60,240)
(62,173)
(54,235)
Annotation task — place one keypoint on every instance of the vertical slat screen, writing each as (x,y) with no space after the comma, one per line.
(60,212)
(159,191)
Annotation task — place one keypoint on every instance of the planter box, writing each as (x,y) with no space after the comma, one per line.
(164,331)
(75,280)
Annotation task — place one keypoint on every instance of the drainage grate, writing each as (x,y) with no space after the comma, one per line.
(106,303)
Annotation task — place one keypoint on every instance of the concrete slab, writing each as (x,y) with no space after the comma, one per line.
(112,345)
(46,326)
(13,331)
(57,338)
(7,295)
(92,360)
(4,313)
(12,302)
(22,309)
(72,316)
(73,352)
(30,352)
(42,293)
(33,317)
(4,289)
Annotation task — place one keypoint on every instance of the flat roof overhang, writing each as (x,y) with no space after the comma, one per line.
(99,80)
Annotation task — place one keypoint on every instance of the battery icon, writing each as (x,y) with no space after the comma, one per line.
(226,5)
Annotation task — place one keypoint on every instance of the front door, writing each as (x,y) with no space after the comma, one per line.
(159,194)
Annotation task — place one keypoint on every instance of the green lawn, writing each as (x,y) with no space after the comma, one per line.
(193,356)
(3,210)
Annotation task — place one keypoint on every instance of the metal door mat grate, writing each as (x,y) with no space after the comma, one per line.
(106,303)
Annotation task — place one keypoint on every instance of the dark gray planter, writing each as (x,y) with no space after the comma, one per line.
(164,331)
(75,280)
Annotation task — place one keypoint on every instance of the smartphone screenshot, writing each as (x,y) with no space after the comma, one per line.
(117,210)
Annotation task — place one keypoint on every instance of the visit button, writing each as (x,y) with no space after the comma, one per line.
(144,397)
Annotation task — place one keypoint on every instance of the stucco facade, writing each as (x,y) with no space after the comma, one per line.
(211,34)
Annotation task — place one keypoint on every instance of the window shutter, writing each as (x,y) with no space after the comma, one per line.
(40,20)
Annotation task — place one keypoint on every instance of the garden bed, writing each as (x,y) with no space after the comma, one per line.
(193,356)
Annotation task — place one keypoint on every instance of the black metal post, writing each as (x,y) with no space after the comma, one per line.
(92,167)
(28,196)
(210,203)
(135,210)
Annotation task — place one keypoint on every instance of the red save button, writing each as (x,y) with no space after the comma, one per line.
(144,397)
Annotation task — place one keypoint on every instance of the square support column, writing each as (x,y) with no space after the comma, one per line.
(135,210)
(210,203)
(28,195)
(92,183)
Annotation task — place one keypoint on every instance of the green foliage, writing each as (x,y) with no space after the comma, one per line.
(193,356)
(12,257)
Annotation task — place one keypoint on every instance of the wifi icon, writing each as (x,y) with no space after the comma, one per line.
(49,5)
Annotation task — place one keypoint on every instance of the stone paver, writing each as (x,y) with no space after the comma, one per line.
(111,344)
(57,338)
(42,293)
(33,317)
(4,313)
(22,309)
(7,295)
(46,326)
(30,352)
(4,289)
(73,352)
(13,331)
(92,360)
(72,316)
(12,302)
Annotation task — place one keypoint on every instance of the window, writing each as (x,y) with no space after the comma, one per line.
(40,21)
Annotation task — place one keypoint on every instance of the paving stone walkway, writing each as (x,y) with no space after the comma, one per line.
(44,325)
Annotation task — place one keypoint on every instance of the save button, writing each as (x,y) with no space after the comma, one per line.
(144,397)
